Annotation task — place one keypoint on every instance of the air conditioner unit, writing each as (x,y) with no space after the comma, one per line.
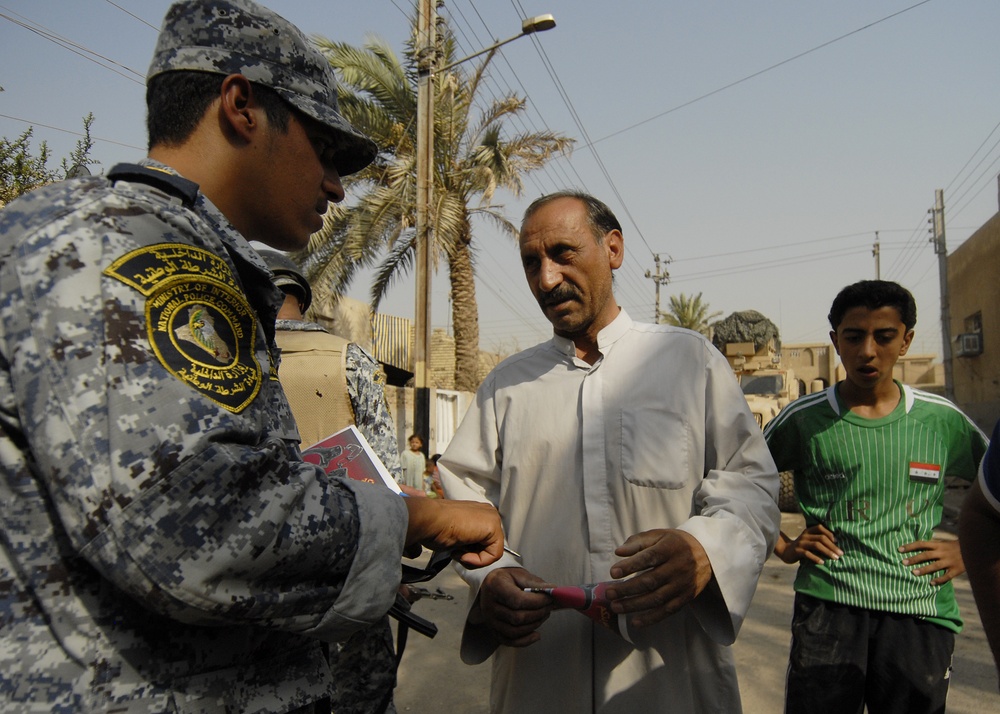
(970,344)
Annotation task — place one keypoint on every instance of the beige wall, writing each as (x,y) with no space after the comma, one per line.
(346,317)
(811,361)
(818,360)
(974,287)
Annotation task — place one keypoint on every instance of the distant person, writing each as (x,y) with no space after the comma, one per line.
(330,384)
(616,448)
(875,613)
(432,477)
(413,461)
(165,547)
(979,534)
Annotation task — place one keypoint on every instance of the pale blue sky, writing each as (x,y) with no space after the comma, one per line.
(766,194)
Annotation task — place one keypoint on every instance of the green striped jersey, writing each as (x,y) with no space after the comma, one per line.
(876,484)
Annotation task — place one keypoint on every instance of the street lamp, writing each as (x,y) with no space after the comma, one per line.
(539,23)
(426,68)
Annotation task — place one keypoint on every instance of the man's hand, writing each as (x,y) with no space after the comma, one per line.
(816,543)
(943,555)
(511,613)
(676,569)
(468,526)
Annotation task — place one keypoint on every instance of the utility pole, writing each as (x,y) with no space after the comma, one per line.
(876,250)
(659,278)
(427,66)
(937,238)
(426,59)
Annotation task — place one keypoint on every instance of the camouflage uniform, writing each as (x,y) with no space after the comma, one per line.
(364,667)
(164,548)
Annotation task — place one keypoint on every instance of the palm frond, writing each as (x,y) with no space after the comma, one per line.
(474,159)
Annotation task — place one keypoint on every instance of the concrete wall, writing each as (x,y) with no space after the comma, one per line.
(819,360)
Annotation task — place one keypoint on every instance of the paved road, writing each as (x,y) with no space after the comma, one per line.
(432,678)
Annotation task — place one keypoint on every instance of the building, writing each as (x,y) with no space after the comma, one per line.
(974,309)
(390,340)
(817,366)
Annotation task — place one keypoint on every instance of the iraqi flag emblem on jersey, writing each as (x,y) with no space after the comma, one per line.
(925,473)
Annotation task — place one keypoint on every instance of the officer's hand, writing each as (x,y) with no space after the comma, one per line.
(472,528)
(673,569)
(943,555)
(511,613)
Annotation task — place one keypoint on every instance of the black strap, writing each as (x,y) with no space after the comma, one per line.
(175,185)
(435,565)
(401,611)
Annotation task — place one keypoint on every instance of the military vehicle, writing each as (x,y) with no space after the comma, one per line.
(751,344)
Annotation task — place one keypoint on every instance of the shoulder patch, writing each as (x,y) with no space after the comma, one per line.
(199,323)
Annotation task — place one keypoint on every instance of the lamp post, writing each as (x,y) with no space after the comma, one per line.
(426,68)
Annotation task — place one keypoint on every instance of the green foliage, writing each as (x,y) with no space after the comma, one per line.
(22,170)
(476,153)
(690,312)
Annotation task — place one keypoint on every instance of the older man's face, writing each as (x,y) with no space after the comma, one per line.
(568,269)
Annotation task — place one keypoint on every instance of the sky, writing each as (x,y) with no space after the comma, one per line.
(759,146)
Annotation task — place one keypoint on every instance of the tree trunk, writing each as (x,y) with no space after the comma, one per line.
(465,317)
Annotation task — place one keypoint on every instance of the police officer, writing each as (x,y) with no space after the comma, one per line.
(164,546)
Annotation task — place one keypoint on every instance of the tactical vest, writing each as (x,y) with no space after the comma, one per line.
(313,373)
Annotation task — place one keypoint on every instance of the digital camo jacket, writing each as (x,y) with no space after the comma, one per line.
(163,546)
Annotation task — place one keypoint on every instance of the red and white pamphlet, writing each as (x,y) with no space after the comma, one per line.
(347,454)
(591,600)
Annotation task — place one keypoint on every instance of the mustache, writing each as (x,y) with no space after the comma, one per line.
(560,294)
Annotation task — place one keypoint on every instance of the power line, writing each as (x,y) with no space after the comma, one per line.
(130,14)
(74,133)
(901,264)
(556,163)
(779,263)
(777,246)
(75,48)
(629,281)
(988,171)
(978,149)
(758,73)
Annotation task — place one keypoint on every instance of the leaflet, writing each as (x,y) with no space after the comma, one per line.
(591,601)
(347,454)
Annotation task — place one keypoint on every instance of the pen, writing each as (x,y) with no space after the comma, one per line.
(512,551)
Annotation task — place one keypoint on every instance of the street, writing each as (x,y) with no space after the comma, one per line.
(432,678)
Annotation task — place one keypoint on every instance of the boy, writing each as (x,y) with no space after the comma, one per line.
(875,613)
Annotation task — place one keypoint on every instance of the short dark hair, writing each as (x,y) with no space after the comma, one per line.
(873,294)
(602,221)
(176,102)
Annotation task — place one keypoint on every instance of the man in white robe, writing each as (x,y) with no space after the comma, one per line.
(615,449)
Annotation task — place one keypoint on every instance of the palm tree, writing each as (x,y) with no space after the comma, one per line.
(473,157)
(690,312)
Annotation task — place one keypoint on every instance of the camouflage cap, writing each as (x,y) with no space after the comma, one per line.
(241,37)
